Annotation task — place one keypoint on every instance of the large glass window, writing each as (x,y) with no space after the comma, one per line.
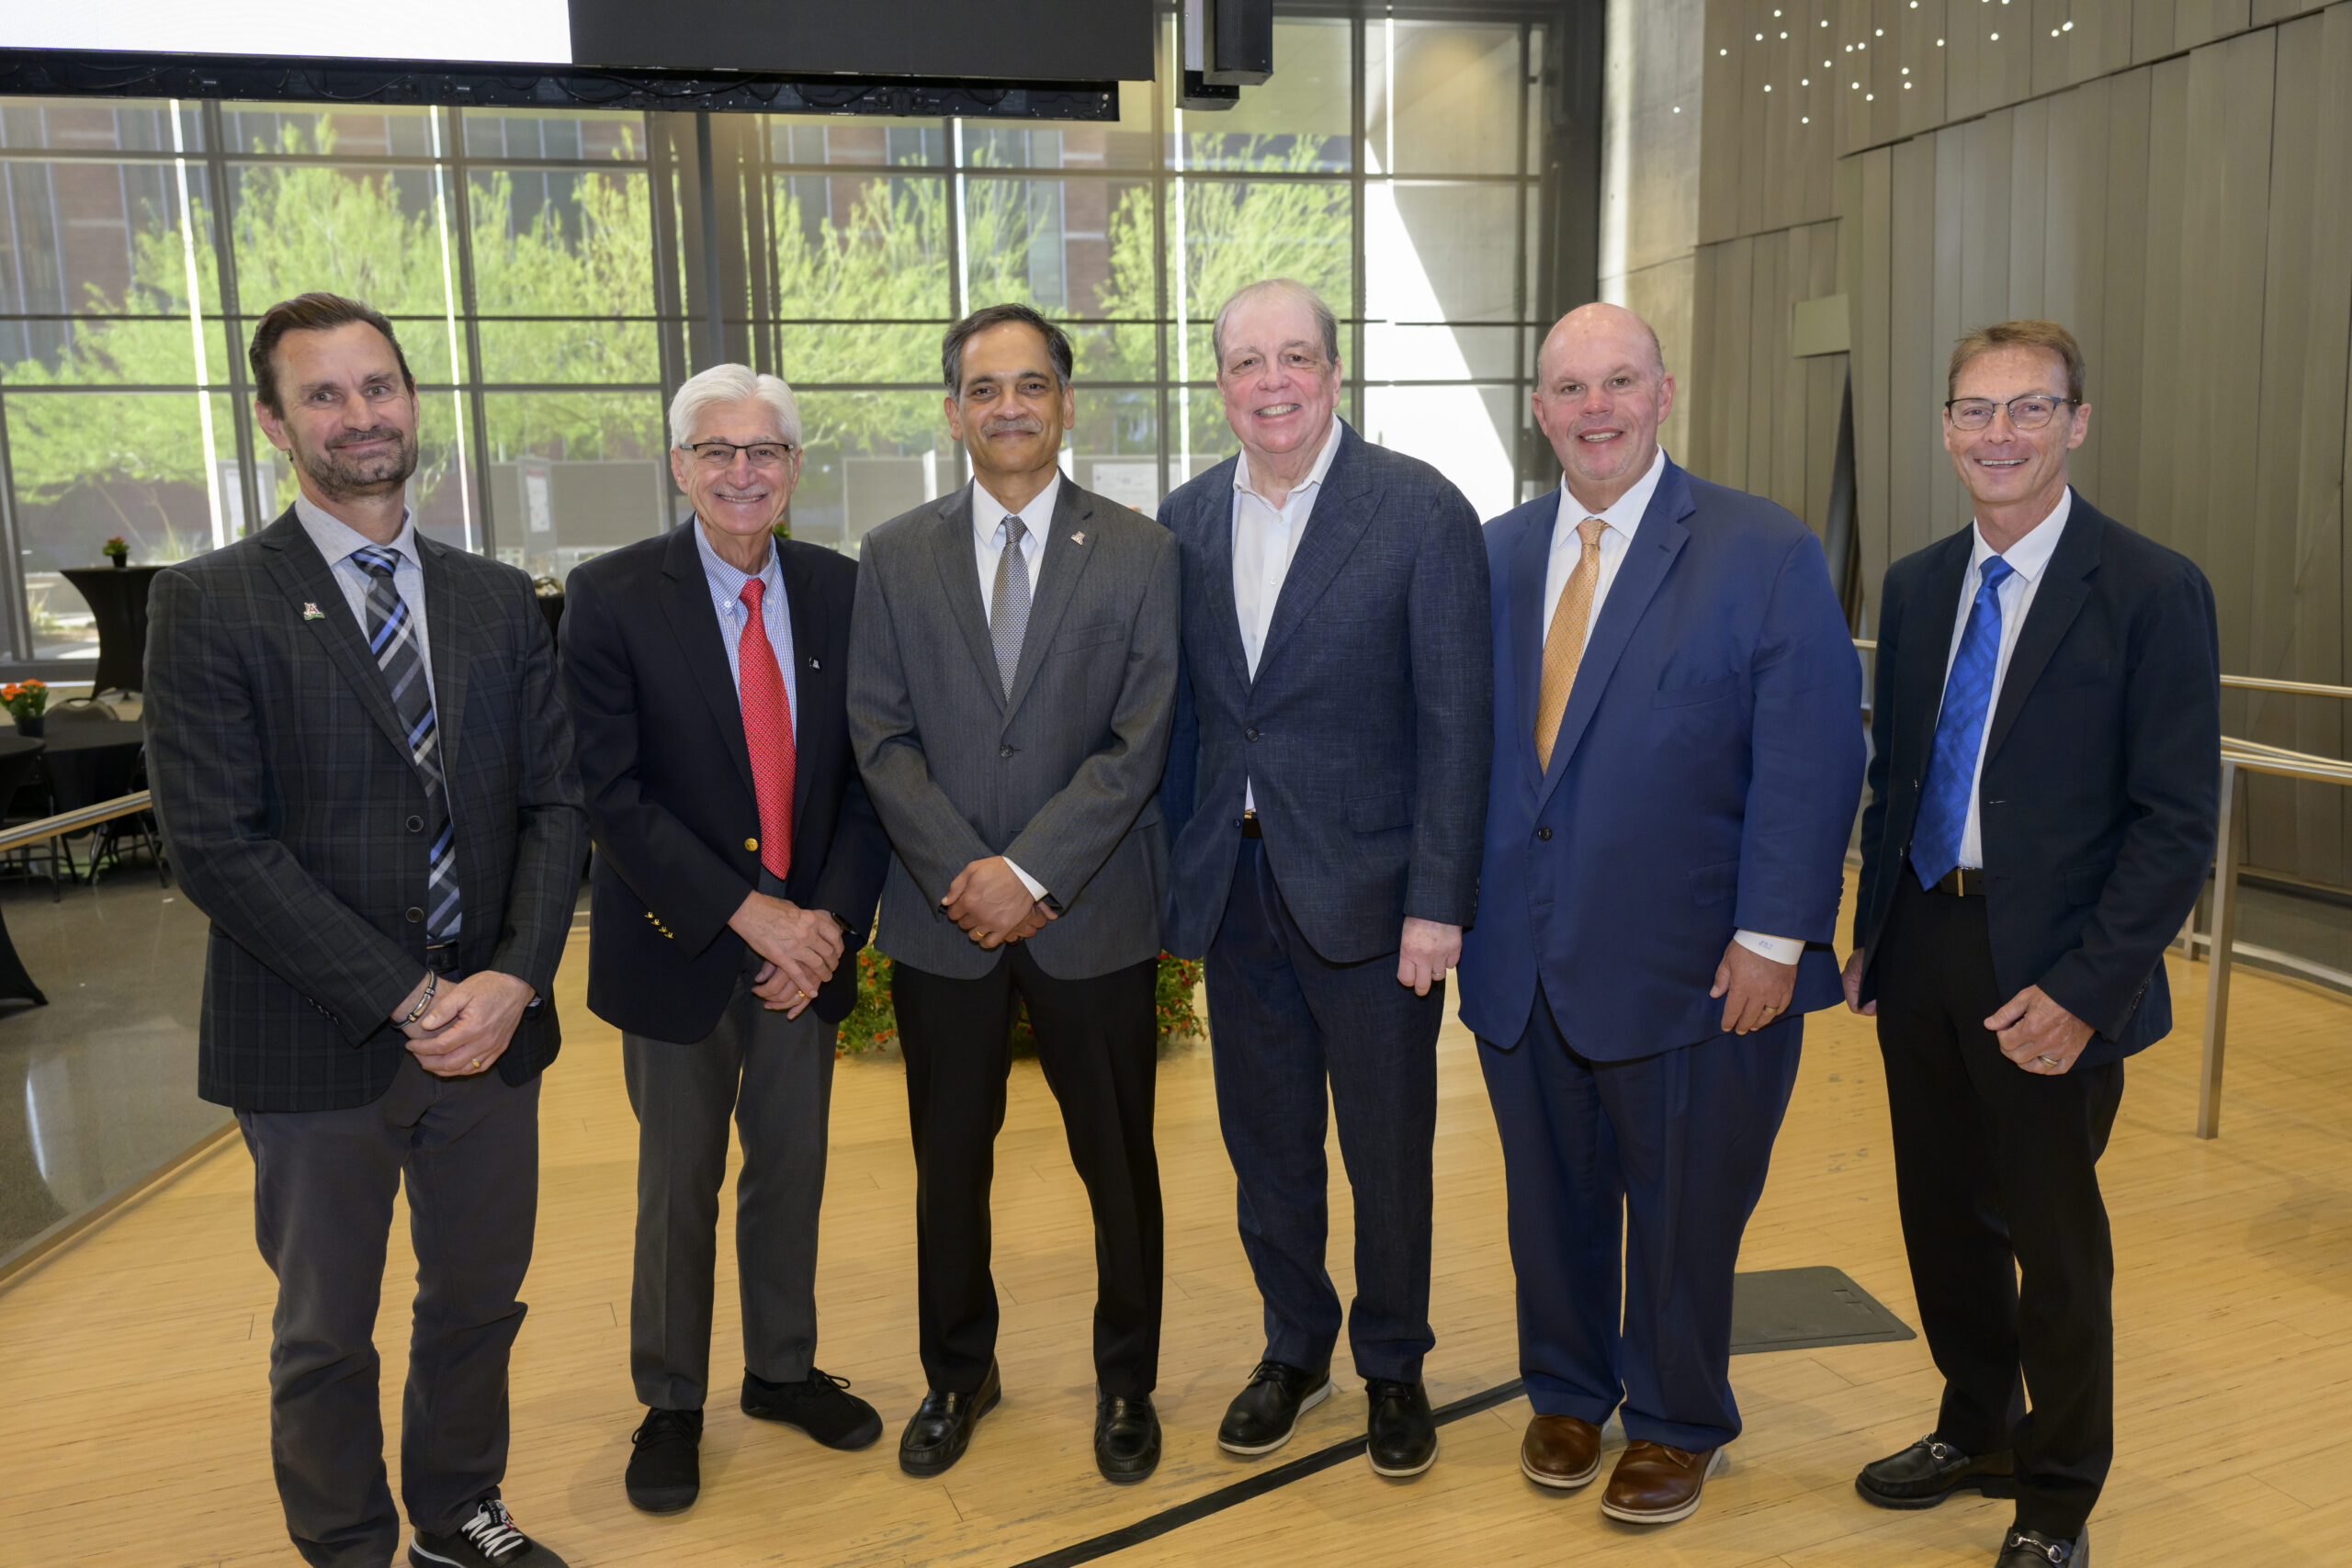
(550,276)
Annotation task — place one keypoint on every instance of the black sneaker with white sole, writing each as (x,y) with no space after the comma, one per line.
(1263,1416)
(488,1538)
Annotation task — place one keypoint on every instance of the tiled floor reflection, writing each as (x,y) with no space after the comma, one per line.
(97,1088)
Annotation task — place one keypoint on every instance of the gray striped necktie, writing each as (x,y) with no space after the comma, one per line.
(1009,605)
(392,638)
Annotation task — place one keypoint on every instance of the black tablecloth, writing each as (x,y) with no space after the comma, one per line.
(92,759)
(19,757)
(117,600)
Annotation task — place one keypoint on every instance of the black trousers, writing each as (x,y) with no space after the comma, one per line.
(1995,1170)
(467,1149)
(1098,1042)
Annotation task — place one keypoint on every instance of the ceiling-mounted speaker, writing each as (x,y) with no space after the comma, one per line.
(1229,45)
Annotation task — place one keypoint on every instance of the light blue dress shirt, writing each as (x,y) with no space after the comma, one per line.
(776,616)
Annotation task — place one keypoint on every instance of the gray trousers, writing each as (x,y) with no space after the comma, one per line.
(775,1075)
(323,1183)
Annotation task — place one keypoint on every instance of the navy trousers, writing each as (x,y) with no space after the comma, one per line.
(1283,1022)
(1666,1156)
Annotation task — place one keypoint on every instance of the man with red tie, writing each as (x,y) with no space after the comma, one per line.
(738,863)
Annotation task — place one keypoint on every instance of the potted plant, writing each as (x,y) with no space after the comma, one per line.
(27,700)
(117,551)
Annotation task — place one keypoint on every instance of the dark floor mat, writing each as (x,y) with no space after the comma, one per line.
(1800,1309)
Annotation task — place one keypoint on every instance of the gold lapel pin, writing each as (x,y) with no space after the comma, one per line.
(1078,538)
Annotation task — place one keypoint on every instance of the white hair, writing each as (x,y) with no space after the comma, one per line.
(1288,288)
(731,384)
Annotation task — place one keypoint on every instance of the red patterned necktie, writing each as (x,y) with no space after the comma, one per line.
(767,730)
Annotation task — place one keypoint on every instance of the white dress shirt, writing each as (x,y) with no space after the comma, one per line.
(987,548)
(726,581)
(1265,539)
(2029,561)
(1622,521)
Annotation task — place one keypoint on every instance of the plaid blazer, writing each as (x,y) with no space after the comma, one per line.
(294,814)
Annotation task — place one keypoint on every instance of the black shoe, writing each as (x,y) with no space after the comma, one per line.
(941,1426)
(1126,1437)
(1931,1470)
(665,1467)
(819,1404)
(1404,1436)
(1263,1416)
(2032,1548)
(487,1540)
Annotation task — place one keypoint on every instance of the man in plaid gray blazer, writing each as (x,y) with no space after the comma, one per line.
(363,762)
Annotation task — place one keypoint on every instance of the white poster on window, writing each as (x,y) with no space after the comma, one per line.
(538,493)
(1134,484)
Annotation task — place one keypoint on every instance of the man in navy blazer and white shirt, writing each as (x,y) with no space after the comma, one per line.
(1678,755)
(2041,817)
(1324,789)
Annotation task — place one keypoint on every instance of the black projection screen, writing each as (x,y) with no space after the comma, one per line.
(1044,58)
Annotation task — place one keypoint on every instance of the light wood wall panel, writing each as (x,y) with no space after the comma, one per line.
(2168,177)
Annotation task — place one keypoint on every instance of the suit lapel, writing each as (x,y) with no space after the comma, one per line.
(808,633)
(1065,564)
(959,578)
(446,632)
(313,594)
(1921,680)
(1657,543)
(1216,525)
(685,601)
(2064,586)
(1339,519)
(1531,560)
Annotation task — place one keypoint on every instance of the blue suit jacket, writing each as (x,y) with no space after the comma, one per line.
(1704,779)
(1365,734)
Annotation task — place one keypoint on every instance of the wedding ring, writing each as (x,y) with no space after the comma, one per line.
(1771,1007)
(2050,1061)
(475,1065)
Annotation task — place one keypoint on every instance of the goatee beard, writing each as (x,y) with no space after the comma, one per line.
(339,480)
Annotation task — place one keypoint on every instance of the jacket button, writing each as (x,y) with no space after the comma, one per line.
(416,917)
(752,845)
(417,824)
(1004,751)
(1544,834)
(1249,735)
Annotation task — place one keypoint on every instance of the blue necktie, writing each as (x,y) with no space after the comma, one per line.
(1960,730)
(392,638)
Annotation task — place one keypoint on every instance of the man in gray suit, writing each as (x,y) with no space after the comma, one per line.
(1327,796)
(1011,741)
(363,765)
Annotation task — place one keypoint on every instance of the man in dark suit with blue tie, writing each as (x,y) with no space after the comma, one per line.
(1678,755)
(2043,786)
(1324,789)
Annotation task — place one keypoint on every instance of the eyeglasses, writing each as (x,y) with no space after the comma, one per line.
(718,456)
(2030,411)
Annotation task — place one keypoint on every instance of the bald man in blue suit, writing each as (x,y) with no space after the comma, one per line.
(1678,758)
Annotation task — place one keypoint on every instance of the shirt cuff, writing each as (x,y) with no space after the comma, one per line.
(1037,888)
(1779,949)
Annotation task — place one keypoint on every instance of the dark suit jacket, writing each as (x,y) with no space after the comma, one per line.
(1704,780)
(2100,781)
(1061,778)
(1366,731)
(294,816)
(668,777)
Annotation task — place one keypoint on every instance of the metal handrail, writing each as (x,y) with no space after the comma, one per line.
(73,821)
(2236,682)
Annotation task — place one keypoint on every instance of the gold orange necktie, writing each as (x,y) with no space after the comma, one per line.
(1564,643)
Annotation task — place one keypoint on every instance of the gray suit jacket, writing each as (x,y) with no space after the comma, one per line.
(294,816)
(1064,777)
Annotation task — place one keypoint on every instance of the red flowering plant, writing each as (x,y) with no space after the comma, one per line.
(115,549)
(873,1023)
(25,699)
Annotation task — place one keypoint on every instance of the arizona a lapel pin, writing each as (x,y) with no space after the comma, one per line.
(1078,538)
(312,612)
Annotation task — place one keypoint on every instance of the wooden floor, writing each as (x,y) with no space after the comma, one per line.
(133,1427)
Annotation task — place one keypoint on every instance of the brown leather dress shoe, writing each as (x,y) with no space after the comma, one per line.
(1560,1451)
(1654,1484)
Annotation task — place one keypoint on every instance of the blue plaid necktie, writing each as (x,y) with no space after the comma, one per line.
(1960,730)
(392,638)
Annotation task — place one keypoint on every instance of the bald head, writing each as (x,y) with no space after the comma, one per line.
(1601,392)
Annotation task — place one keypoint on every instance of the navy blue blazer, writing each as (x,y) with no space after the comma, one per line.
(2100,785)
(1365,734)
(1704,782)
